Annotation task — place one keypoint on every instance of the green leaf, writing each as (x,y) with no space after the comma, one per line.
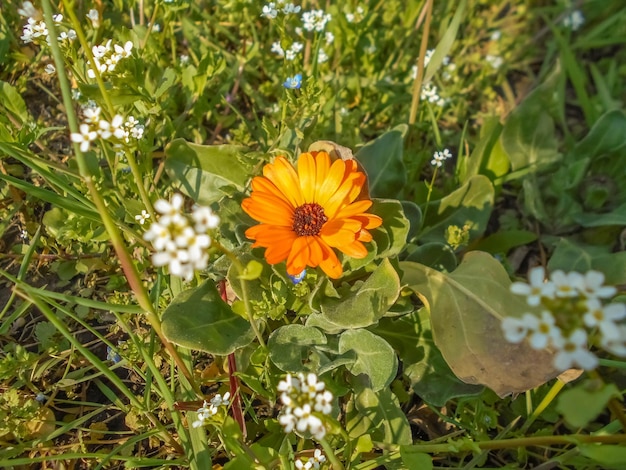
(382,160)
(469,205)
(379,415)
(584,402)
(488,157)
(588,219)
(438,256)
(365,302)
(528,137)
(375,358)
(199,319)
(608,456)
(504,241)
(206,173)
(13,102)
(467,307)
(252,271)
(391,236)
(413,457)
(571,256)
(606,136)
(431,378)
(290,346)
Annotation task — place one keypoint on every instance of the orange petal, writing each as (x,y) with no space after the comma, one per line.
(340,232)
(330,263)
(298,258)
(322,167)
(355,208)
(345,194)
(268,209)
(356,249)
(331,183)
(263,185)
(285,178)
(307,174)
(277,240)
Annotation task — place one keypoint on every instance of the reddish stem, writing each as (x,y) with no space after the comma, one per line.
(233,380)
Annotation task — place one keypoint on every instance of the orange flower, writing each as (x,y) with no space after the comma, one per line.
(304,214)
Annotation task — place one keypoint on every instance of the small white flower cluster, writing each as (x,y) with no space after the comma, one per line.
(447,72)
(357,16)
(430,93)
(181,242)
(36,31)
(107,57)
(272,9)
(94,17)
(315,20)
(574,20)
(210,408)
(313,463)
(302,397)
(494,60)
(440,157)
(569,302)
(94,126)
(143,217)
(291,53)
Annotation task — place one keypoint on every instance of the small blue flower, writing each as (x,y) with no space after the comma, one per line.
(293,82)
(113,356)
(297,279)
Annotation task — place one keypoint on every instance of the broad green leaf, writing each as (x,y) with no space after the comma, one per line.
(470,205)
(571,256)
(488,157)
(413,214)
(206,173)
(379,415)
(375,358)
(504,241)
(606,136)
(528,137)
(431,378)
(199,319)
(365,302)
(391,236)
(581,404)
(13,102)
(467,307)
(382,159)
(435,255)
(608,456)
(413,458)
(290,346)
(589,219)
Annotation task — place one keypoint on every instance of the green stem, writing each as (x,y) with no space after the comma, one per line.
(114,234)
(430,190)
(417,85)
(330,453)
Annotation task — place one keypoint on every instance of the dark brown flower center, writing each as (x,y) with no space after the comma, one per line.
(308,219)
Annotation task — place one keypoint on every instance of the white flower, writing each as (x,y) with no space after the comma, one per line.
(277,49)
(315,20)
(329,37)
(604,317)
(440,157)
(565,284)
(91,115)
(204,218)
(591,286)
(143,217)
(515,329)
(496,35)
(302,396)
(57,18)
(321,56)
(573,351)
(536,289)
(124,51)
(617,344)
(291,8)
(94,17)
(114,128)
(269,11)
(84,137)
(50,69)
(430,93)
(574,20)
(29,11)
(542,331)
(494,60)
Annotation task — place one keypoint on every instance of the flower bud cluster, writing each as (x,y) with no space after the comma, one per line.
(573,314)
(181,241)
(304,398)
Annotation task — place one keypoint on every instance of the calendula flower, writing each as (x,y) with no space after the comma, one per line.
(307,213)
